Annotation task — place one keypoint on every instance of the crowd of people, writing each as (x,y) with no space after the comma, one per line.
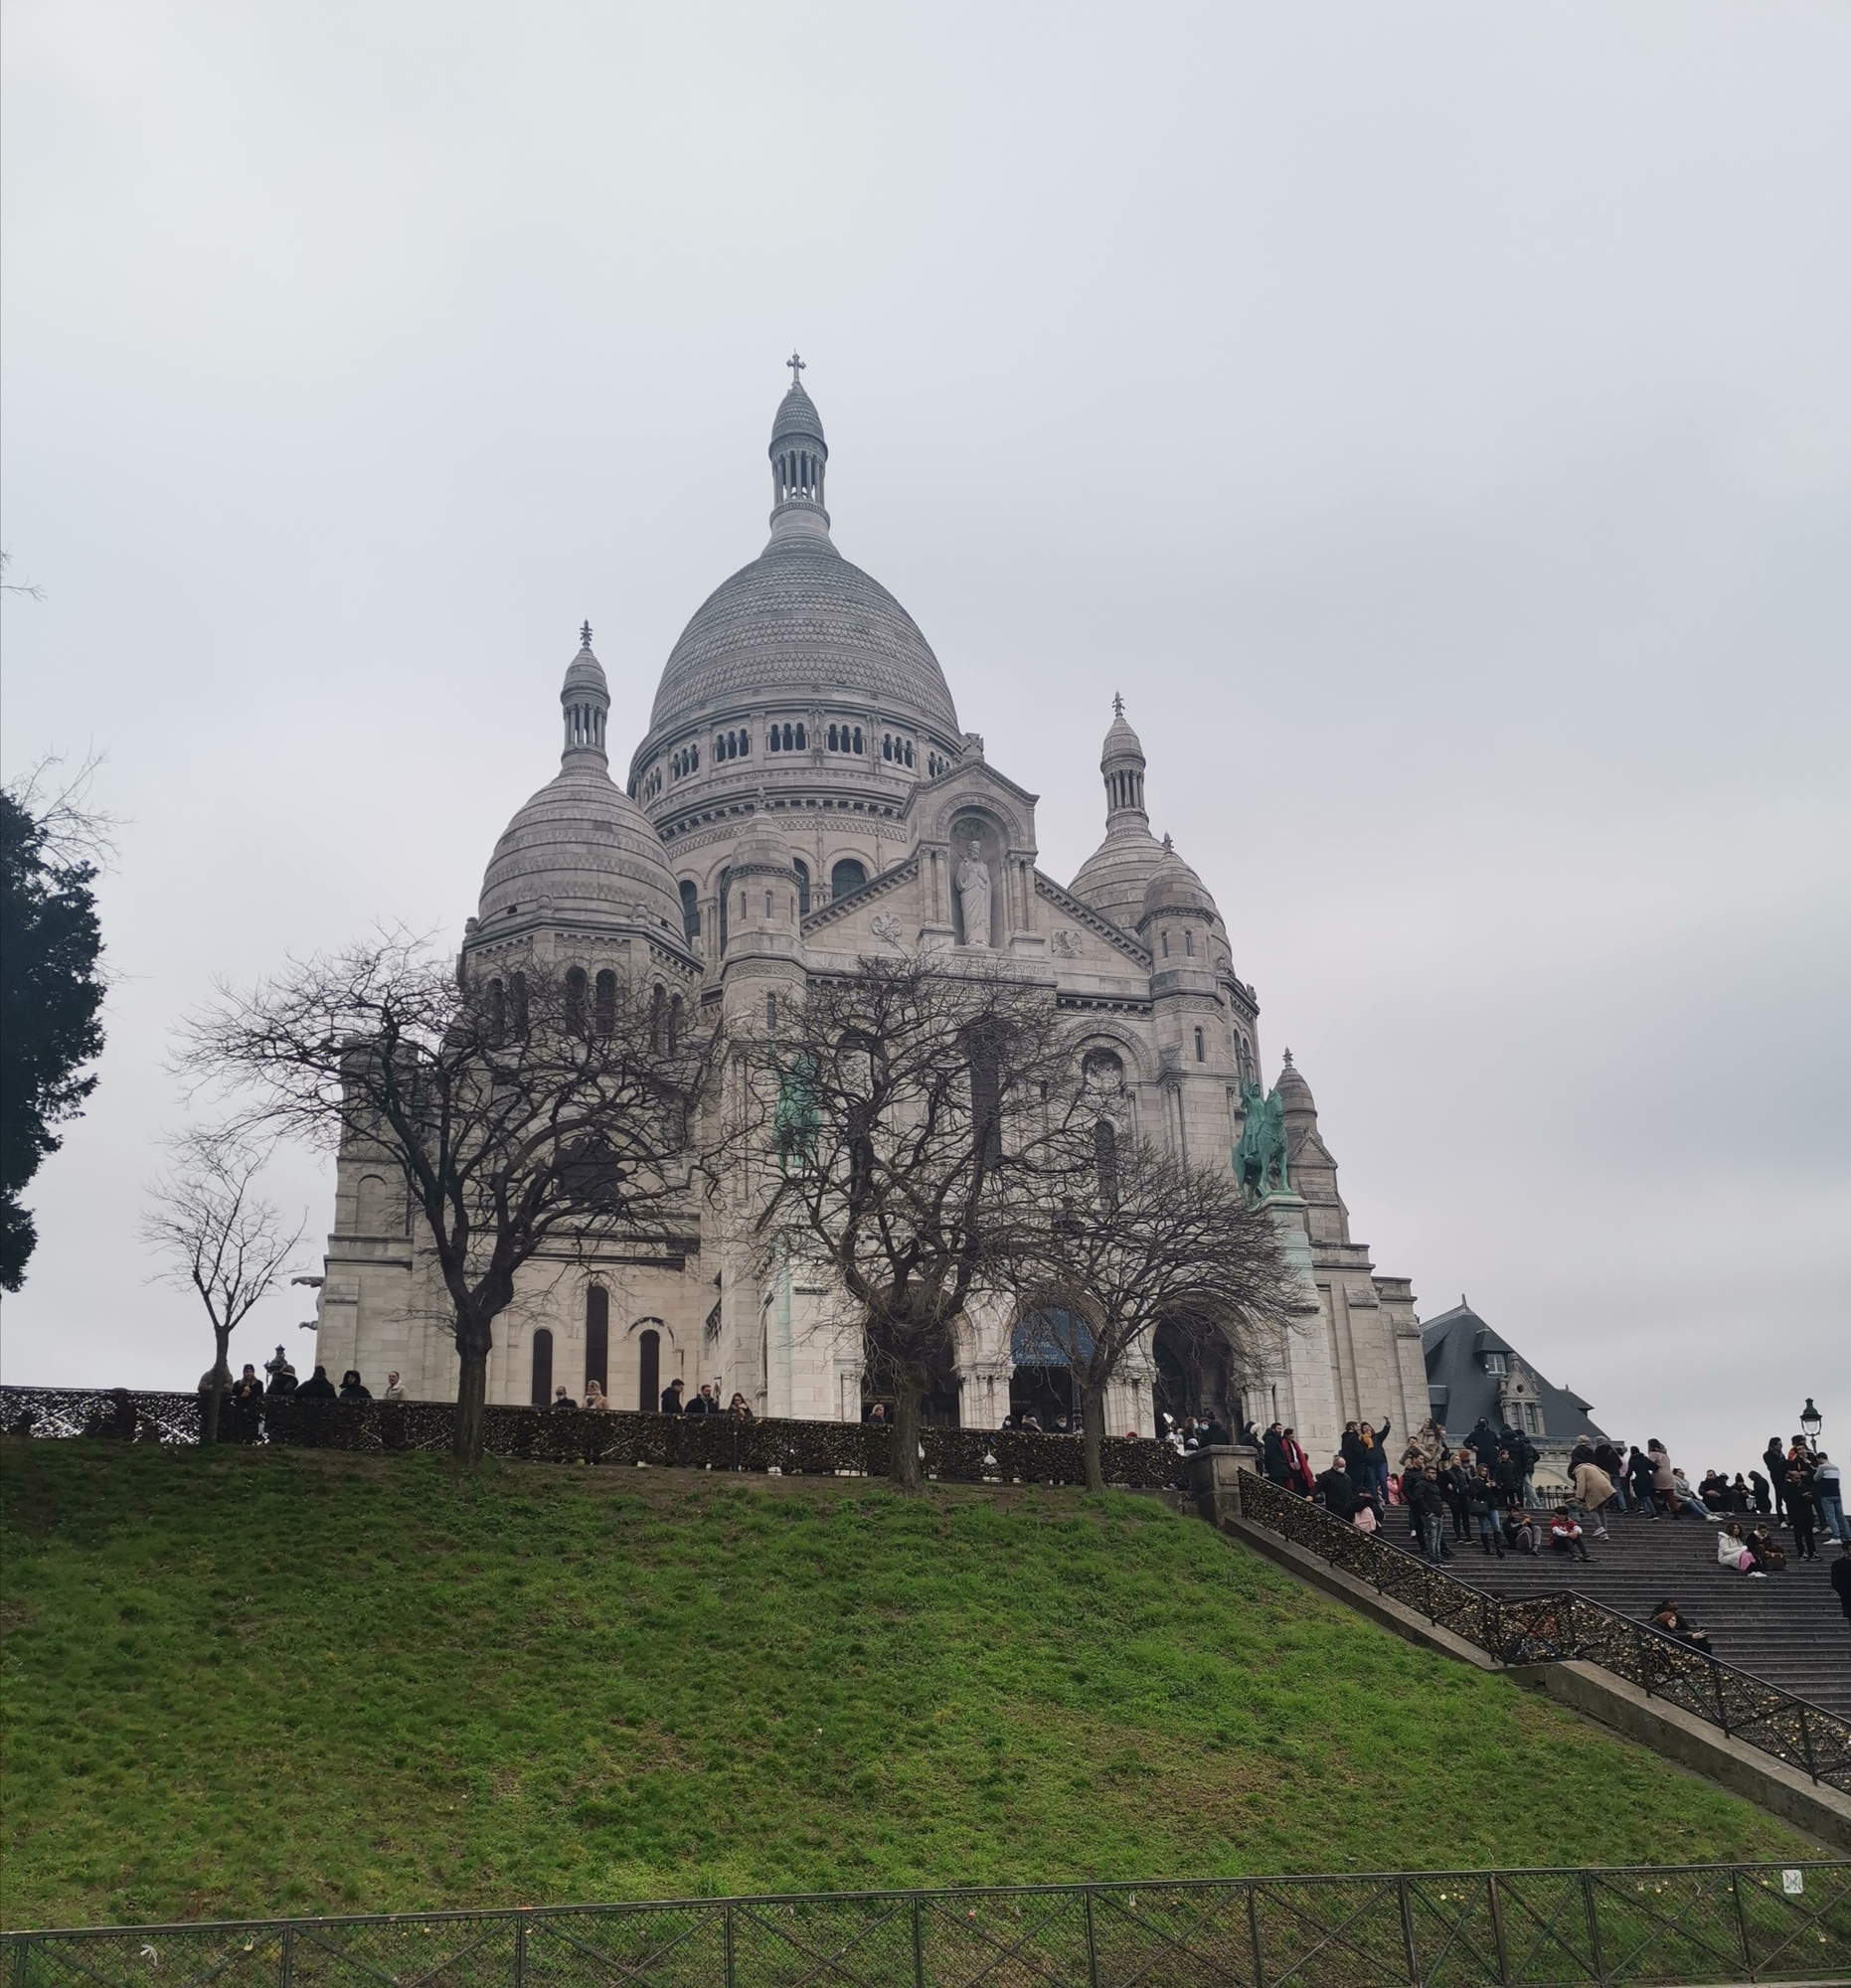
(1486,1486)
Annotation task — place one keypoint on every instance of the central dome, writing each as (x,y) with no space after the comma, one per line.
(798,630)
(800,624)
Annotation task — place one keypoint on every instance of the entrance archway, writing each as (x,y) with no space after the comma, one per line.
(1043,1345)
(1195,1374)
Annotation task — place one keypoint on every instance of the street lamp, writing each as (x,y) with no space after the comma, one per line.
(1810,1421)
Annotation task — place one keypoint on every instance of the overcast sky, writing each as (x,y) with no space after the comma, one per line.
(1434,418)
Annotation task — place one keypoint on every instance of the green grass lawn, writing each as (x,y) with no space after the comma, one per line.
(270,1682)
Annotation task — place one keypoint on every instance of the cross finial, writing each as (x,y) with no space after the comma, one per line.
(797,369)
(1289,1059)
(584,635)
(1117,705)
(1166,839)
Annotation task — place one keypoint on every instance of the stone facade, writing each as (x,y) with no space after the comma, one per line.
(803,797)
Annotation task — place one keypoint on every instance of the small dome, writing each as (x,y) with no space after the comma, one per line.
(581,849)
(1122,744)
(761,848)
(797,416)
(585,673)
(1294,1093)
(1114,878)
(1174,887)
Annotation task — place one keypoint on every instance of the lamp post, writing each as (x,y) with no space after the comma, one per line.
(1810,1423)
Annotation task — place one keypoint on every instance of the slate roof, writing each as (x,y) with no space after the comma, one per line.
(1462,1391)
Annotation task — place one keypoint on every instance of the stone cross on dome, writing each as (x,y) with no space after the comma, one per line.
(798,368)
(1117,705)
(584,635)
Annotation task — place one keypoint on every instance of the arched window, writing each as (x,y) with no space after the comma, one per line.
(497,1019)
(606,999)
(517,988)
(1167,945)
(800,738)
(674,1023)
(542,1393)
(690,909)
(832,731)
(767,904)
(597,1336)
(1200,1048)
(771,1011)
(745,745)
(574,999)
(649,1389)
(771,740)
(1189,940)
(908,751)
(886,746)
(857,745)
(1106,1160)
(848,874)
(803,886)
(658,1008)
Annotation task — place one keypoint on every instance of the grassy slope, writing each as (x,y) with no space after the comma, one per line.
(254,1683)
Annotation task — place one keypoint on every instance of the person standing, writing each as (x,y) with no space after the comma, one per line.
(1378,1457)
(1338,1490)
(1841,1577)
(671,1396)
(1803,1511)
(1828,1489)
(394,1388)
(1775,1457)
(1277,1466)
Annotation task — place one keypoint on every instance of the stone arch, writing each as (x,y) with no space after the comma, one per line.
(379,1206)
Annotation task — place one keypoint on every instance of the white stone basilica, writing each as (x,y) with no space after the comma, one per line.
(804,797)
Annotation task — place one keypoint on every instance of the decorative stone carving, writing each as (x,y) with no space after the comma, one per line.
(884,927)
(1067,945)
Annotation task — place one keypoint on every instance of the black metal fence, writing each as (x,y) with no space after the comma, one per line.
(1567,1626)
(1712,1923)
(577,1435)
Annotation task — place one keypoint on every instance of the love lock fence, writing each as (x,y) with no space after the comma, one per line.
(1556,1928)
(1566,1627)
(578,1435)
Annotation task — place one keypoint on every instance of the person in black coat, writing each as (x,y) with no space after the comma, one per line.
(671,1398)
(1277,1464)
(1841,1577)
(317,1388)
(1484,1442)
(1639,1471)
(1456,1483)
(1338,1491)
(353,1388)
(1803,1511)
(1353,1452)
(1762,1494)
(1775,1457)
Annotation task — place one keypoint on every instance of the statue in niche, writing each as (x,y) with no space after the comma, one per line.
(973,895)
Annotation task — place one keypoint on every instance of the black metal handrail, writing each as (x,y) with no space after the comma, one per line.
(1569,1626)
(1668,1923)
(578,1435)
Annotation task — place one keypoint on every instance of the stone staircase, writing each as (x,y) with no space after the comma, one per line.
(1787,1629)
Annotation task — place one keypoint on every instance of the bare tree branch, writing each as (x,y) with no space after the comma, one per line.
(219,1236)
(524,1110)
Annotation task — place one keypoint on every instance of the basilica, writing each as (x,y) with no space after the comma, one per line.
(805,796)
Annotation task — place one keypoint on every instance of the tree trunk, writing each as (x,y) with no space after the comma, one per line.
(221,1380)
(1091,1431)
(471,1404)
(904,1469)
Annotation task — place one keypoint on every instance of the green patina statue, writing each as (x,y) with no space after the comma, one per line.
(794,1125)
(1260,1159)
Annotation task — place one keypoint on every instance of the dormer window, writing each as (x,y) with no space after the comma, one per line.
(1494,1365)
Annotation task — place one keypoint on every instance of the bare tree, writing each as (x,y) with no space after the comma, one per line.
(1137,1238)
(526,1109)
(220,1237)
(909,1097)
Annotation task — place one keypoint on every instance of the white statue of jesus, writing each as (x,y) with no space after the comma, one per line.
(973,896)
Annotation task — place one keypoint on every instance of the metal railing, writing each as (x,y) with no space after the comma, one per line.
(1667,1924)
(577,1435)
(1566,1627)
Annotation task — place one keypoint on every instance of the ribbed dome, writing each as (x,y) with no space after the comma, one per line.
(581,849)
(800,623)
(761,848)
(1174,887)
(1294,1093)
(796,416)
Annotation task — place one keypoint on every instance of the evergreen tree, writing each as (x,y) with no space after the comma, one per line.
(50,994)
